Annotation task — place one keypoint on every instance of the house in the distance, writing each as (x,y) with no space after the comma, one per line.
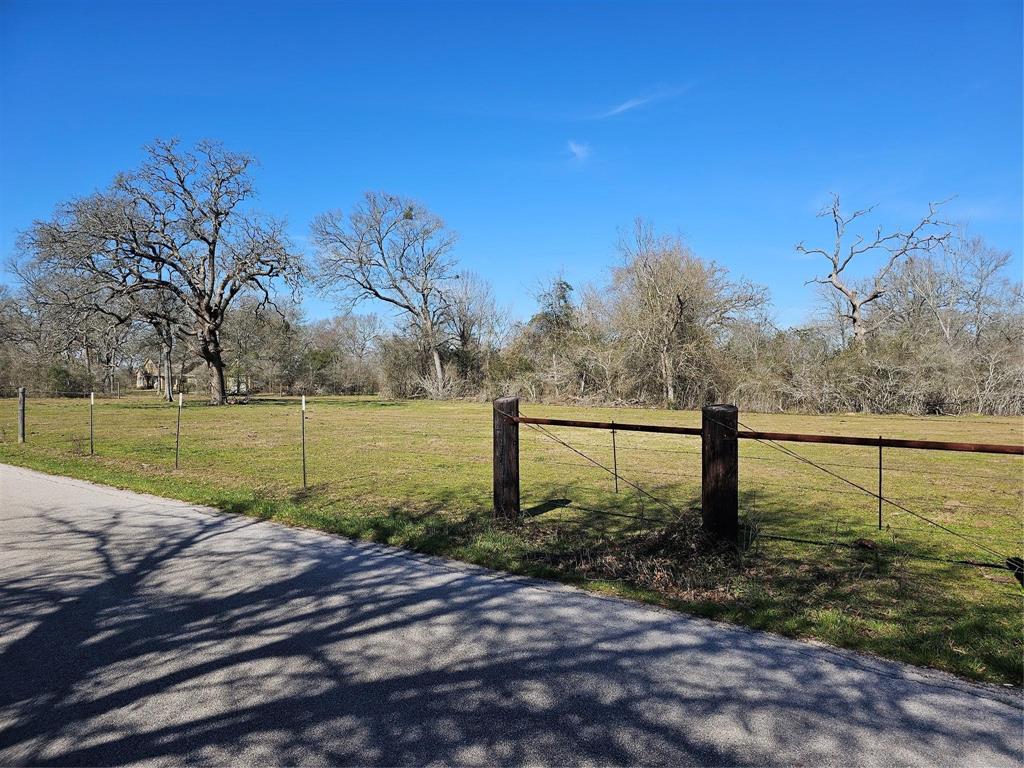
(150,376)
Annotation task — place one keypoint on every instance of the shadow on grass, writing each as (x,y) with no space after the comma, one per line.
(546,506)
(301,495)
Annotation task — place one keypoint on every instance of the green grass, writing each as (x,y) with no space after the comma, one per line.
(417,474)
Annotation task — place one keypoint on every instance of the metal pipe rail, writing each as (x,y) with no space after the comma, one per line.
(874,442)
(607,425)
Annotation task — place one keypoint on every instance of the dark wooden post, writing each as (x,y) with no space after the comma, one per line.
(506,458)
(720,472)
(21,414)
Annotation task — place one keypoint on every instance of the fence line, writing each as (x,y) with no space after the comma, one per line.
(750,434)
(881,498)
(720,483)
(642,474)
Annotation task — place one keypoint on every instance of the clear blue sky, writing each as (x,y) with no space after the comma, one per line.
(537,130)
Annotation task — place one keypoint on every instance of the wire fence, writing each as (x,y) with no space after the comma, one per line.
(262,439)
(972,517)
(954,506)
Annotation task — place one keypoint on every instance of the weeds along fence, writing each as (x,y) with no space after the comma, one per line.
(808,489)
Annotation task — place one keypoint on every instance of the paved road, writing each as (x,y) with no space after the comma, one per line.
(141,630)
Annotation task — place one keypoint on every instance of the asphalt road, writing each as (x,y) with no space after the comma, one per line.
(140,630)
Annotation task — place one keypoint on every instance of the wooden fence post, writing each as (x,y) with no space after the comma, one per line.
(21,414)
(506,458)
(720,472)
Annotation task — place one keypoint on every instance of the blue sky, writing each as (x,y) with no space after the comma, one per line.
(538,130)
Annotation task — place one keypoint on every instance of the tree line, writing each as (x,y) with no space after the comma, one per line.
(172,264)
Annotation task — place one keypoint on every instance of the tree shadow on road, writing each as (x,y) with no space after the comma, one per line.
(179,637)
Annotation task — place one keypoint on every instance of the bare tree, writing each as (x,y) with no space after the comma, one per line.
(394,250)
(551,336)
(175,226)
(673,307)
(85,305)
(476,325)
(83,322)
(984,292)
(347,344)
(921,238)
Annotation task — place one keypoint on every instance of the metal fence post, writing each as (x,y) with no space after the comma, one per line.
(303,442)
(177,432)
(615,460)
(506,458)
(879,482)
(720,472)
(21,414)
(92,405)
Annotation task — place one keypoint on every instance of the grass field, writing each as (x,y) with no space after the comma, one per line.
(417,474)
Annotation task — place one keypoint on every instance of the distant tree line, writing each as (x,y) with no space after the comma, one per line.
(170,265)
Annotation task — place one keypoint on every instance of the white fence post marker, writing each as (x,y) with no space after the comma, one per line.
(177,431)
(303,442)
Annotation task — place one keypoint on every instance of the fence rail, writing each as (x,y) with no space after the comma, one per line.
(720,432)
(746,434)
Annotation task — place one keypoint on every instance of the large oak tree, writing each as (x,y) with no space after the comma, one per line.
(176,227)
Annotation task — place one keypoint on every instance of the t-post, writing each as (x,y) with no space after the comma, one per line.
(177,431)
(303,442)
(92,404)
(21,414)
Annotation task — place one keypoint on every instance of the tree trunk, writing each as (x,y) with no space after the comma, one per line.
(668,376)
(860,330)
(108,372)
(211,352)
(437,369)
(218,389)
(168,393)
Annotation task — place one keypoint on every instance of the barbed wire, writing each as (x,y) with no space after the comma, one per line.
(790,452)
(612,472)
(1010,563)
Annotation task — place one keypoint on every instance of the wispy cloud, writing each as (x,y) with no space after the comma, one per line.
(627,105)
(579,150)
(658,94)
